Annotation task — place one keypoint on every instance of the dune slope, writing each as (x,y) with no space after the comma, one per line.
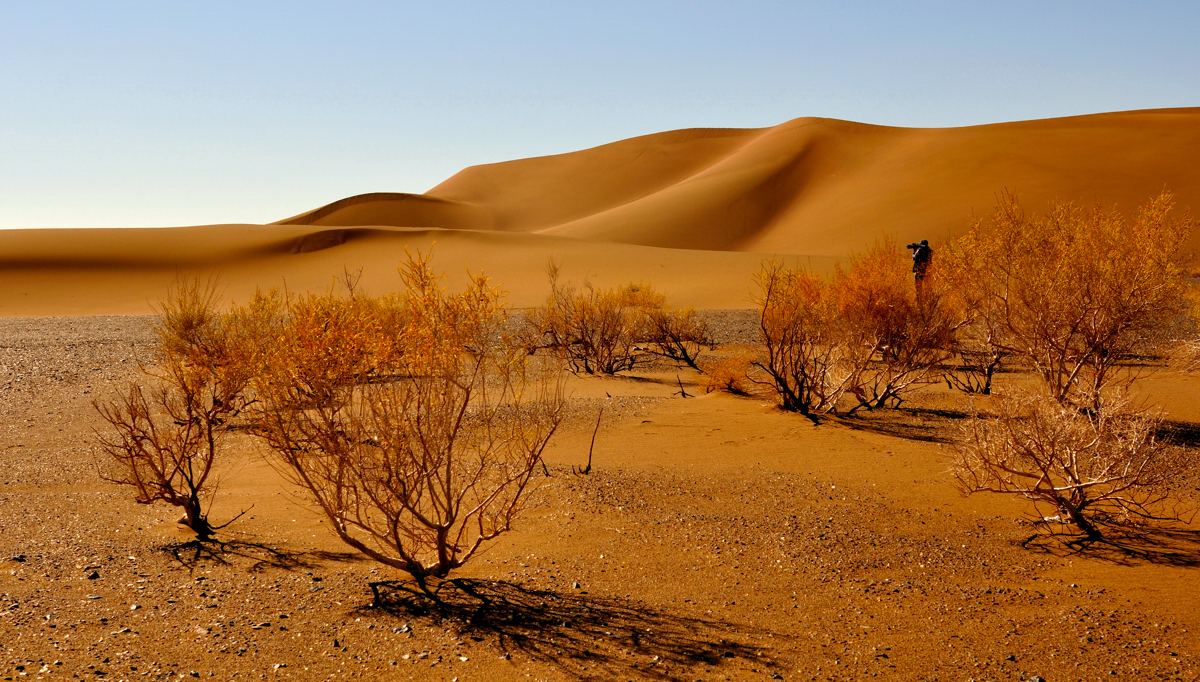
(119,271)
(811,186)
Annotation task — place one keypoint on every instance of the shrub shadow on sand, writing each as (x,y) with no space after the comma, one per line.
(586,636)
(1182,433)
(928,425)
(1126,546)
(256,555)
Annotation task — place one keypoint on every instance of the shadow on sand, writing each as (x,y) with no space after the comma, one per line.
(257,555)
(1181,433)
(1164,545)
(585,636)
(911,423)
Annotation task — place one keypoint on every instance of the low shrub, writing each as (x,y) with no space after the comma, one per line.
(1087,469)
(607,331)
(861,340)
(729,374)
(1074,292)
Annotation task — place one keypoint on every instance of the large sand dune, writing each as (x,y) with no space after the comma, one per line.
(811,186)
(692,211)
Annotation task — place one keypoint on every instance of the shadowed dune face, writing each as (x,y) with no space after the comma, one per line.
(691,211)
(546,192)
(396,209)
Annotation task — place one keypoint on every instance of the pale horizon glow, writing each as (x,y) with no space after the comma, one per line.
(145,113)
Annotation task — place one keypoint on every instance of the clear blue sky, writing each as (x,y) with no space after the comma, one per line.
(159,112)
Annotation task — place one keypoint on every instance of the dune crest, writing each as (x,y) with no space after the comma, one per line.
(394,209)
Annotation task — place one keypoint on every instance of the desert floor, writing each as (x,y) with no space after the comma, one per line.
(716,538)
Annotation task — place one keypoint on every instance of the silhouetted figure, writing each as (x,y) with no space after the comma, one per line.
(922,256)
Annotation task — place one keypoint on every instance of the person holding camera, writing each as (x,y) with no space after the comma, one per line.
(922,255)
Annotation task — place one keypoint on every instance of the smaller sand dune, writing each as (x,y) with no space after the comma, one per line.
(396,209)
(117,271)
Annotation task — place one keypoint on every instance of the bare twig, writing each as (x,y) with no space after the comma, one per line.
(588,469)
(682,391)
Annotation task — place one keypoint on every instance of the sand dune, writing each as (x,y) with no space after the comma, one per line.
(691,211)
(402,210)
(814,186)
(118,271)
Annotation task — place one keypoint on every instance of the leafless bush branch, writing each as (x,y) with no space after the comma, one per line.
(803,358)
(864,335)
(678,334)
(607,331)
(895,338)
(1089,469)
(1075,292)
(164,441)
(416,431)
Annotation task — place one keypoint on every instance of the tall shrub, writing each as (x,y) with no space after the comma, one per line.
(1076,291)
(414,424)
(163,438)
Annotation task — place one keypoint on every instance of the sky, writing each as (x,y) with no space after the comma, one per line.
(153,113)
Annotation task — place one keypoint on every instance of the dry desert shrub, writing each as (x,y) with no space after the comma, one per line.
(1076,291)
(864,335)
(896,337)
(729,374)
(606,331)
(977,347)
(796,321)
(415,424)
(678,334)
(1184,354)
(164,440)
(329,342)
(597,329)
(1083,468)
